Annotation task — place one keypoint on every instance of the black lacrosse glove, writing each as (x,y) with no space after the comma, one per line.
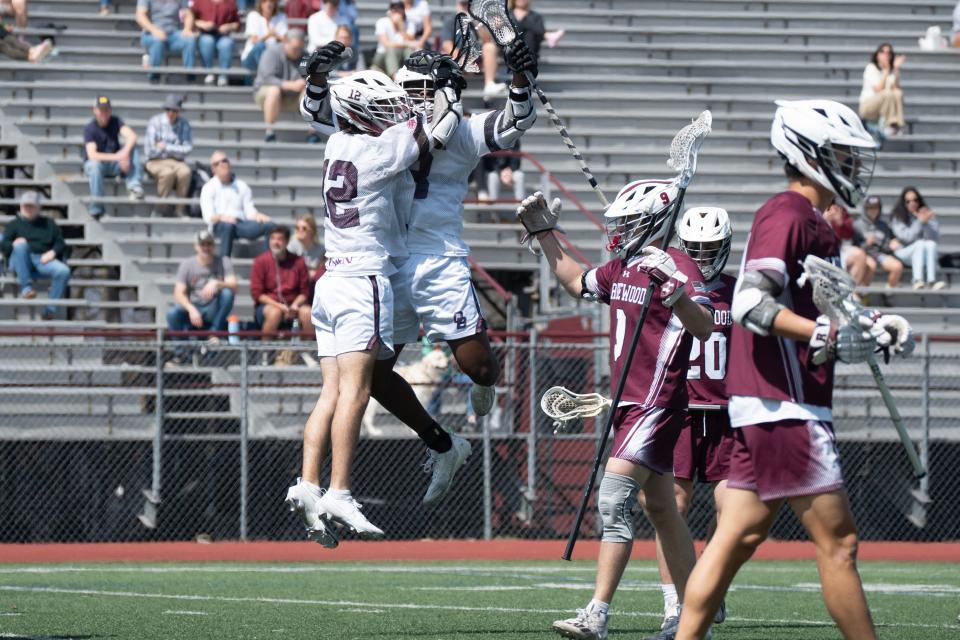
(321,61)
(447,73)
(519,58)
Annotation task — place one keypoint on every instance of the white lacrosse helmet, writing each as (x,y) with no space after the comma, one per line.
(370,101)
(415,78)
(639,215)
(831,137)
(705,235)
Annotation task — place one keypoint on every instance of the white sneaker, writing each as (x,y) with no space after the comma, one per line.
(345,510)
(588,625)
(209,79)
(222,81)
(304,503)
(482,399)
(444,467)
(494,90)
(668,630)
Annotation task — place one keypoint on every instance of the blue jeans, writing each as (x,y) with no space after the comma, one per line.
(921,255)
(252,61)
(223,45)
(226,232)
(29,268)
(214,313)
(97,170)
(175,42)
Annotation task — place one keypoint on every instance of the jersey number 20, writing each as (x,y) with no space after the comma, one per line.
(340,180)
(714,352)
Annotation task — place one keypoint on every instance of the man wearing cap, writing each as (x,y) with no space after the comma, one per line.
(167,143)
(204,291)
(105,157)
(226,203)
(35,249)
(278,83)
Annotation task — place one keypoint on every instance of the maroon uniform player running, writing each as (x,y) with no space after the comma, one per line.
(780,377)
(702,451)
(650,413)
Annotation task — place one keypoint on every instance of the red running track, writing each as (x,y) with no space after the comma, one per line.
(417,550)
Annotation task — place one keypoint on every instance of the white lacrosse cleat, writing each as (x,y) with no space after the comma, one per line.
(346,511)
(590,624)
(668,630)
(304,503)
(721,613)
(482,399)
(444,467)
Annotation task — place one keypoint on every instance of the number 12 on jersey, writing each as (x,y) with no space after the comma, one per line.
(708,358)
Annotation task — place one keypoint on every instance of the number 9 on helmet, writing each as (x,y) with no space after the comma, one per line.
(639,215)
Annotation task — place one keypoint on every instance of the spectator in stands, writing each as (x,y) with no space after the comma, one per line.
(104,7)
(853,259)
(956,26)
(419,24)
(873,235)
(532,27)
(265,25)
(278,84)
(306,245)
(104,157)
(17,9)
(204,291)
(302,9)
(348,15)
(393,44)
(280,286)
(16,49)
(490,54)
(216,20)
(355,62)
(917,230)
(168,141)
(502,172)
(322,26)
(227,206)
(34,248)
(167,27)
(881,99)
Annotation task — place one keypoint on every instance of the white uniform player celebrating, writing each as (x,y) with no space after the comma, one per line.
(374,137)
(433,287)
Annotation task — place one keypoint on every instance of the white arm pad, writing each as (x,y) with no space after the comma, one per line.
(315,109)
(447,113)
(754,304)
(519,114)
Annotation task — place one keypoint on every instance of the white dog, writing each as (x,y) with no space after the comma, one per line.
(423,375)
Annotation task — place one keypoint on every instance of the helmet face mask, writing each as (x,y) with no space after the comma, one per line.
(417,80)
(711,256)
(639,215)
(849,169)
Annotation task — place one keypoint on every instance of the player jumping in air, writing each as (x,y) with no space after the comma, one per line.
(702,452)
(780,379)
(650,414)
(374,137)
(433,287)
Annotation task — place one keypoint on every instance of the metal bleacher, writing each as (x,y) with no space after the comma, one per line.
(627,74)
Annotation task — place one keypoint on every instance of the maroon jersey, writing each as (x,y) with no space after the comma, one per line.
(707,374)
(785,230)
(658,373)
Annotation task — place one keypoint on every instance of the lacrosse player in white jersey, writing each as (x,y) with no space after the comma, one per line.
(433,288)
(374,137)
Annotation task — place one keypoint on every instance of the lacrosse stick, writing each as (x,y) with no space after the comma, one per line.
(466,44)
(833,296)
(493,14)
(563,406)
(683,159)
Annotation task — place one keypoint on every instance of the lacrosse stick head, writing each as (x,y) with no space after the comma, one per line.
(686,146)
(494,15)
(833,289)
(563,406)
(467,47)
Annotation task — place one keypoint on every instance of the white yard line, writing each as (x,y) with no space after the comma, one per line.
(416,606)
(179,612)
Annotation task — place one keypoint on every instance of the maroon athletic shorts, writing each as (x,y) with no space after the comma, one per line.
(703,448)
(646,436)
(785,459)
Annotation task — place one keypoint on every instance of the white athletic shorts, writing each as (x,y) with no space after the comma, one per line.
(435,291)
(353,313)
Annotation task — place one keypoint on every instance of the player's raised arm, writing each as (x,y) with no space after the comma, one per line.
(540,221)
(315,67)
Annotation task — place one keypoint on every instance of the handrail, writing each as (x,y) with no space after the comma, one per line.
(496,286)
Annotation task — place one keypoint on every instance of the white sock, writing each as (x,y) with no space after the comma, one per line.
(339,493)
(671,602)
(597,605)
(312,488)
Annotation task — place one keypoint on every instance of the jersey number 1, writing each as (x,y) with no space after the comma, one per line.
(340,181)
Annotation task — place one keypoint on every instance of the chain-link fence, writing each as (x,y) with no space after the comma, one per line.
(114,439)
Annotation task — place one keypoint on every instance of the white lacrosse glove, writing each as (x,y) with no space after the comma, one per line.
(897,333)
(847,343)
(537,217)
(663,272)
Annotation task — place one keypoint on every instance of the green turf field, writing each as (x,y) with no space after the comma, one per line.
(436,601)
